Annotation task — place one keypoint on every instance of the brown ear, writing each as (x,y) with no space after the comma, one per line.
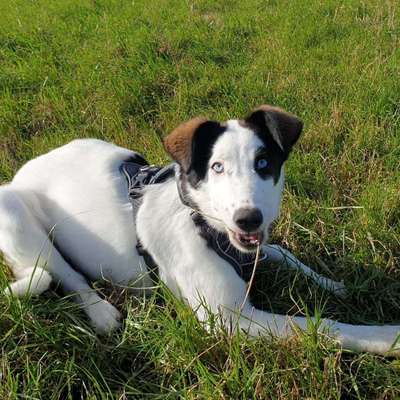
(190,143)
(178,143)
(284,127)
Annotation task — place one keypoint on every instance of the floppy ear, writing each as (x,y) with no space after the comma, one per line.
(190,143)
(178,143)
(285,128)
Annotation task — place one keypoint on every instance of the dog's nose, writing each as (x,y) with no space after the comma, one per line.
(248,219)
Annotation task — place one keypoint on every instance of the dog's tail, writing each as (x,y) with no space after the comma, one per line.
(36,281)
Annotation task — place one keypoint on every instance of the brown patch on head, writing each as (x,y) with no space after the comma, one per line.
(190,144)
(284,127)
(179,142)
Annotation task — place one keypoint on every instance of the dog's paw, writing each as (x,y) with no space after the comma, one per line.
(103,316)
(378,339)
(388,340)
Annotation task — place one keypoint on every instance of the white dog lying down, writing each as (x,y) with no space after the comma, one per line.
(67,216)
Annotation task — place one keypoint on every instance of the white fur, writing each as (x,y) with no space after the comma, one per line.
(71,206)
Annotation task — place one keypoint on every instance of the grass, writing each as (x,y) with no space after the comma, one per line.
(130,71)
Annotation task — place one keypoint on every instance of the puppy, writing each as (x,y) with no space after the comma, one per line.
(67,216)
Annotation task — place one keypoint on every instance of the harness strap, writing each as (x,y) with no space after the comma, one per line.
(138,174)
(148,259)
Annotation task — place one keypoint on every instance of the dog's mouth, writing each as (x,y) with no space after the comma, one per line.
(246,241)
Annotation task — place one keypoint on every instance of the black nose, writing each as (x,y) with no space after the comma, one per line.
(248,219)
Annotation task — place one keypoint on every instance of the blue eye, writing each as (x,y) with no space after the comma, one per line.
(261,163)
(218,167)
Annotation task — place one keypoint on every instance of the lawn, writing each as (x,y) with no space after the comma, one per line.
(129,72)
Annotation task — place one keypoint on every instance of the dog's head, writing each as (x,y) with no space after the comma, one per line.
(232,172)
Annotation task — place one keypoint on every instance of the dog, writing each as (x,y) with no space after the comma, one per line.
(68,217)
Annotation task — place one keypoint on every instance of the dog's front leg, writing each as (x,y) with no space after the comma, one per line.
(279,255)
(225,294)
(210,285)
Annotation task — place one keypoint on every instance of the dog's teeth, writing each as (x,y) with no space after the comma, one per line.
(248,239)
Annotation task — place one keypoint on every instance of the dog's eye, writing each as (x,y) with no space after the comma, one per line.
(261,163)
(218,167)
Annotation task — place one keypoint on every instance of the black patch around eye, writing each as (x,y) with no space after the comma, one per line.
(203,141)
(276,156)
(273,156)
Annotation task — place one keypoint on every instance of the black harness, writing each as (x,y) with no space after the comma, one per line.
(139,174)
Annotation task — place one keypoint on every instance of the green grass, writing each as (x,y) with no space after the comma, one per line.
(129,72)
